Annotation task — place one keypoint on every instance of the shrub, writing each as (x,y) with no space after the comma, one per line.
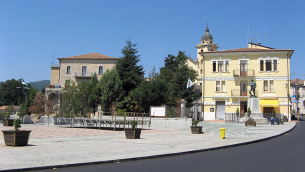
(17,123)
(249,112)
(134,124)
(196,123)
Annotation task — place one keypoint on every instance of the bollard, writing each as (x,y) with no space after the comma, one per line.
(222,133)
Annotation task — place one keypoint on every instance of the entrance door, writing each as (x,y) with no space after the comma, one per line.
(243,68)
(220,109)
(243,106)
(268,109)
(243,88)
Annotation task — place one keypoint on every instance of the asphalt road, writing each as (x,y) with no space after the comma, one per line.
(284,153)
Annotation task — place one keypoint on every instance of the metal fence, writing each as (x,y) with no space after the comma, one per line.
(258,117)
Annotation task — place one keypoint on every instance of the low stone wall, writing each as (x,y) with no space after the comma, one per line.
(27,119)
(44,119)
(171,123)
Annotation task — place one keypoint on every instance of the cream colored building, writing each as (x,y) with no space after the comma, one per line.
(225,78)
(297,93)
(77,69)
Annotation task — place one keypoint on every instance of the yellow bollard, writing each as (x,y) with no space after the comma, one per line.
(222,133)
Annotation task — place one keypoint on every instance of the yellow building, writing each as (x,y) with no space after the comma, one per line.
(225,78)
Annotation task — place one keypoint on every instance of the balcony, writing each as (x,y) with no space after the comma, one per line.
(239,93)
(83,74)
(245,74)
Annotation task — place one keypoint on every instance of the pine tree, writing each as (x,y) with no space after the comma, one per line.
(130,73)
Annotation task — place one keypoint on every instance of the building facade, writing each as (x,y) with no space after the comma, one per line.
(225,78)
(297,92)
(77,69)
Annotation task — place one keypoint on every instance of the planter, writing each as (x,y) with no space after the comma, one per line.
(16,138)
(8,122)
(196,129)
(133,133)
(285,120)
(253,123)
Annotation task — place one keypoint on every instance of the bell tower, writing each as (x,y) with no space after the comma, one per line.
(206,44)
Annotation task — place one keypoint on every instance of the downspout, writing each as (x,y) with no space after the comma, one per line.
(288,89)
(203,86)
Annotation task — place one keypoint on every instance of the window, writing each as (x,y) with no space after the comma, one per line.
(227,66)
(100,70)
(274,65)
(269,85)
(217,85)
(68,69)
(220,86)
(220,66)
(262,65)
(268,65)
(265,85)
(84,71)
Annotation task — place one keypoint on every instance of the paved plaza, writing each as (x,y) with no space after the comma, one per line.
(52,146)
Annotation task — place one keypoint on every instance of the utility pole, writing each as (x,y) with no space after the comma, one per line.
(296,95)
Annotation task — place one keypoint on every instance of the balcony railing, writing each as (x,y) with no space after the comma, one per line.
(82,74)
(241,93)
(243,73)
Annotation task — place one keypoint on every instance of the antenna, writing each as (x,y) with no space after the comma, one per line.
(248,35)
(257,37)
(265,35)
(53,58)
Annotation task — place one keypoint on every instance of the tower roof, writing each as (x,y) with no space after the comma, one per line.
(207,35)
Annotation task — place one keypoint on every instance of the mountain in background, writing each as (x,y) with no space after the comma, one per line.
(40,84)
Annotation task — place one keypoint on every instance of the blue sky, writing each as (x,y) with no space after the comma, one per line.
(32,30)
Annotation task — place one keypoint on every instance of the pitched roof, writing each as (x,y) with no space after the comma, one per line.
(298,82)
(6,106)
(90,56)
(246,50)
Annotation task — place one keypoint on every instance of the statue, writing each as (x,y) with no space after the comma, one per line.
(253,86)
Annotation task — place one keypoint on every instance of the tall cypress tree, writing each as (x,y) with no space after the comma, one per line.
(130,73)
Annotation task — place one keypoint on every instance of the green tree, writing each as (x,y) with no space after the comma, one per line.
(94,94)
(68,104)
(130,73)
(11,92)
(150,93)
(176,73)
(23,110)
(80,99)
(111,89)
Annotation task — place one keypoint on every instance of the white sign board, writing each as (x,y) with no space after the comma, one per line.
(158,111)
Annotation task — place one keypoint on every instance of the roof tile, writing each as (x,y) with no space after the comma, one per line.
(90,56)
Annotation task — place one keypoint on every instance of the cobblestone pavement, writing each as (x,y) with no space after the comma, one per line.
(57,145)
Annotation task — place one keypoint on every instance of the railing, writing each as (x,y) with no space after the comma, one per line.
(241,93)
(82,74)
(107,119)
(54,65)
(243,73)
(258,117)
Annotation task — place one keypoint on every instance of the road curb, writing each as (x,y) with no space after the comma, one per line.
(149,157)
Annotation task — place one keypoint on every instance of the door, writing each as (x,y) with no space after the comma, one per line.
(220,109)
(243,108)
(243,68)
(267,109)
(243,88)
